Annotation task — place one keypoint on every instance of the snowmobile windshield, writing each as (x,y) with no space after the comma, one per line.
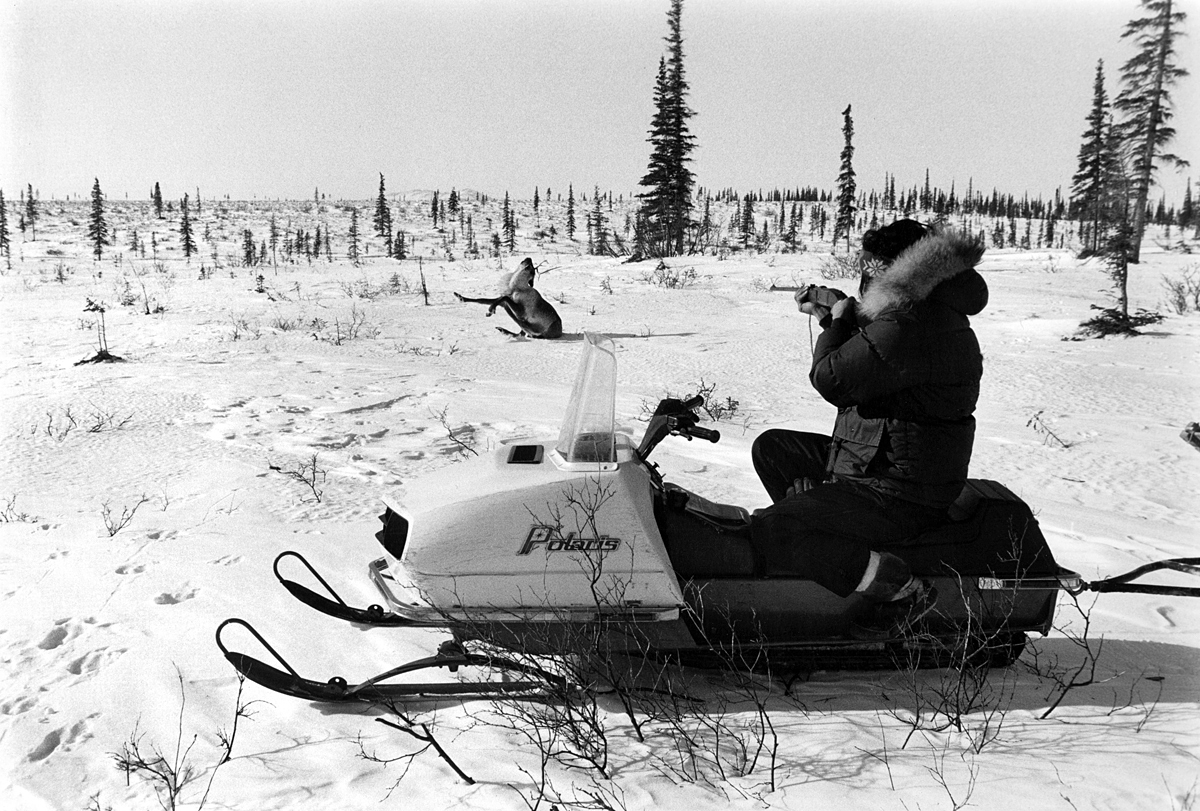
(587,431)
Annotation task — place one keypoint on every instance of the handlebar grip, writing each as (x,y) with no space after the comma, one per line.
(695,402)
(705,433)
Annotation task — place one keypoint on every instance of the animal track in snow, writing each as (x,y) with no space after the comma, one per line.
(44,749)
(57,635)
(92,662)
(61,737)
(17,706)
(227,560)
(127,569)
(176,598)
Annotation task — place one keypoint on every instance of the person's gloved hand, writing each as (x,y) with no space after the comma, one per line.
(817,301)
(844,308)
(801,486)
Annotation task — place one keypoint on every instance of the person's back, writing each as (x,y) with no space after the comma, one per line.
(906,383)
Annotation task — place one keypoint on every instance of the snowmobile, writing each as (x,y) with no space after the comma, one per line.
(524,547)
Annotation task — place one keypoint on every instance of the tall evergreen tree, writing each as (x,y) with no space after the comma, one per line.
(667,202)
(352,249)
(156,198)
(97,227)
(5,245)
(599,228)
(249,255)
(185,229)
(273,238)
(508,225)
(746,224)
(1145,103)
(31,213)
(1093,183)
(383,215)
(571,211)
(1187,211)
(844,223)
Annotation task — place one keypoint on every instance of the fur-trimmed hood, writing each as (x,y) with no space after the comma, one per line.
(939,267)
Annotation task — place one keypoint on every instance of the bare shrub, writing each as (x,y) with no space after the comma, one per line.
(309,473)
(114,523)
(171,772)
(244,327)
(347,329)
(715,408)
(839,266)
(462,437)
(671,278)
(1065,677)
(9,514)
(1048,436)
(1183,294)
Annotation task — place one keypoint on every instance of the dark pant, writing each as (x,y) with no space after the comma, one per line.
(826,533)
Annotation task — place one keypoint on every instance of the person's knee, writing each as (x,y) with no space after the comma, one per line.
(765,443)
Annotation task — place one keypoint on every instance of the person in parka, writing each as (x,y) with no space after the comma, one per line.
(903,367)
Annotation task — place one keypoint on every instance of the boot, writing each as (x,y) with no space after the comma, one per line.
(896,601)
(887,578)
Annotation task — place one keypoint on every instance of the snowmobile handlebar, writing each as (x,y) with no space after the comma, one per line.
(678,417)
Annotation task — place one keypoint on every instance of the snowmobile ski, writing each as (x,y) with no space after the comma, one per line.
(377,690)
(373,614)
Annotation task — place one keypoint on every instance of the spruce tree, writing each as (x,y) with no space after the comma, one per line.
(667,203)
(508,225)
(1093,183)
(571,211)
(383,215)
(97,227)
(248,251)
(31,213)
(352,248)
(5,245)
(746,225)
(156,198)
(599,228)
(273,238)
(185,229)
(844,223)
(1145,105)
(1187,211)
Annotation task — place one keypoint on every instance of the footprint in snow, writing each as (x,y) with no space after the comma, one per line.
(127,569)
(62,737)
(17,707)
(227,560)
(46,748)
(57,636)
(176,598)
(92,662)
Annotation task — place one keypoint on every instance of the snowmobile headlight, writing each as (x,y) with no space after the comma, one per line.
(394,534)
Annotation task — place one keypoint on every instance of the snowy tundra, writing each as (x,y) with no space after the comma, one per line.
(144,501)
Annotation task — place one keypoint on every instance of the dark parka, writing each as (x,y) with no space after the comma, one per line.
(906,383)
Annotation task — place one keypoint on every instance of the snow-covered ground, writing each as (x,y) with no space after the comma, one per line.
(105,635)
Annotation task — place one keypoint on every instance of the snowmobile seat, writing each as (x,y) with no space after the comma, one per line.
(990,532)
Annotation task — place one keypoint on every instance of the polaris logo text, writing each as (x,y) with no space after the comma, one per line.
(552,541)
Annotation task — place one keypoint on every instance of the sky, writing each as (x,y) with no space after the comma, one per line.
(280,98)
